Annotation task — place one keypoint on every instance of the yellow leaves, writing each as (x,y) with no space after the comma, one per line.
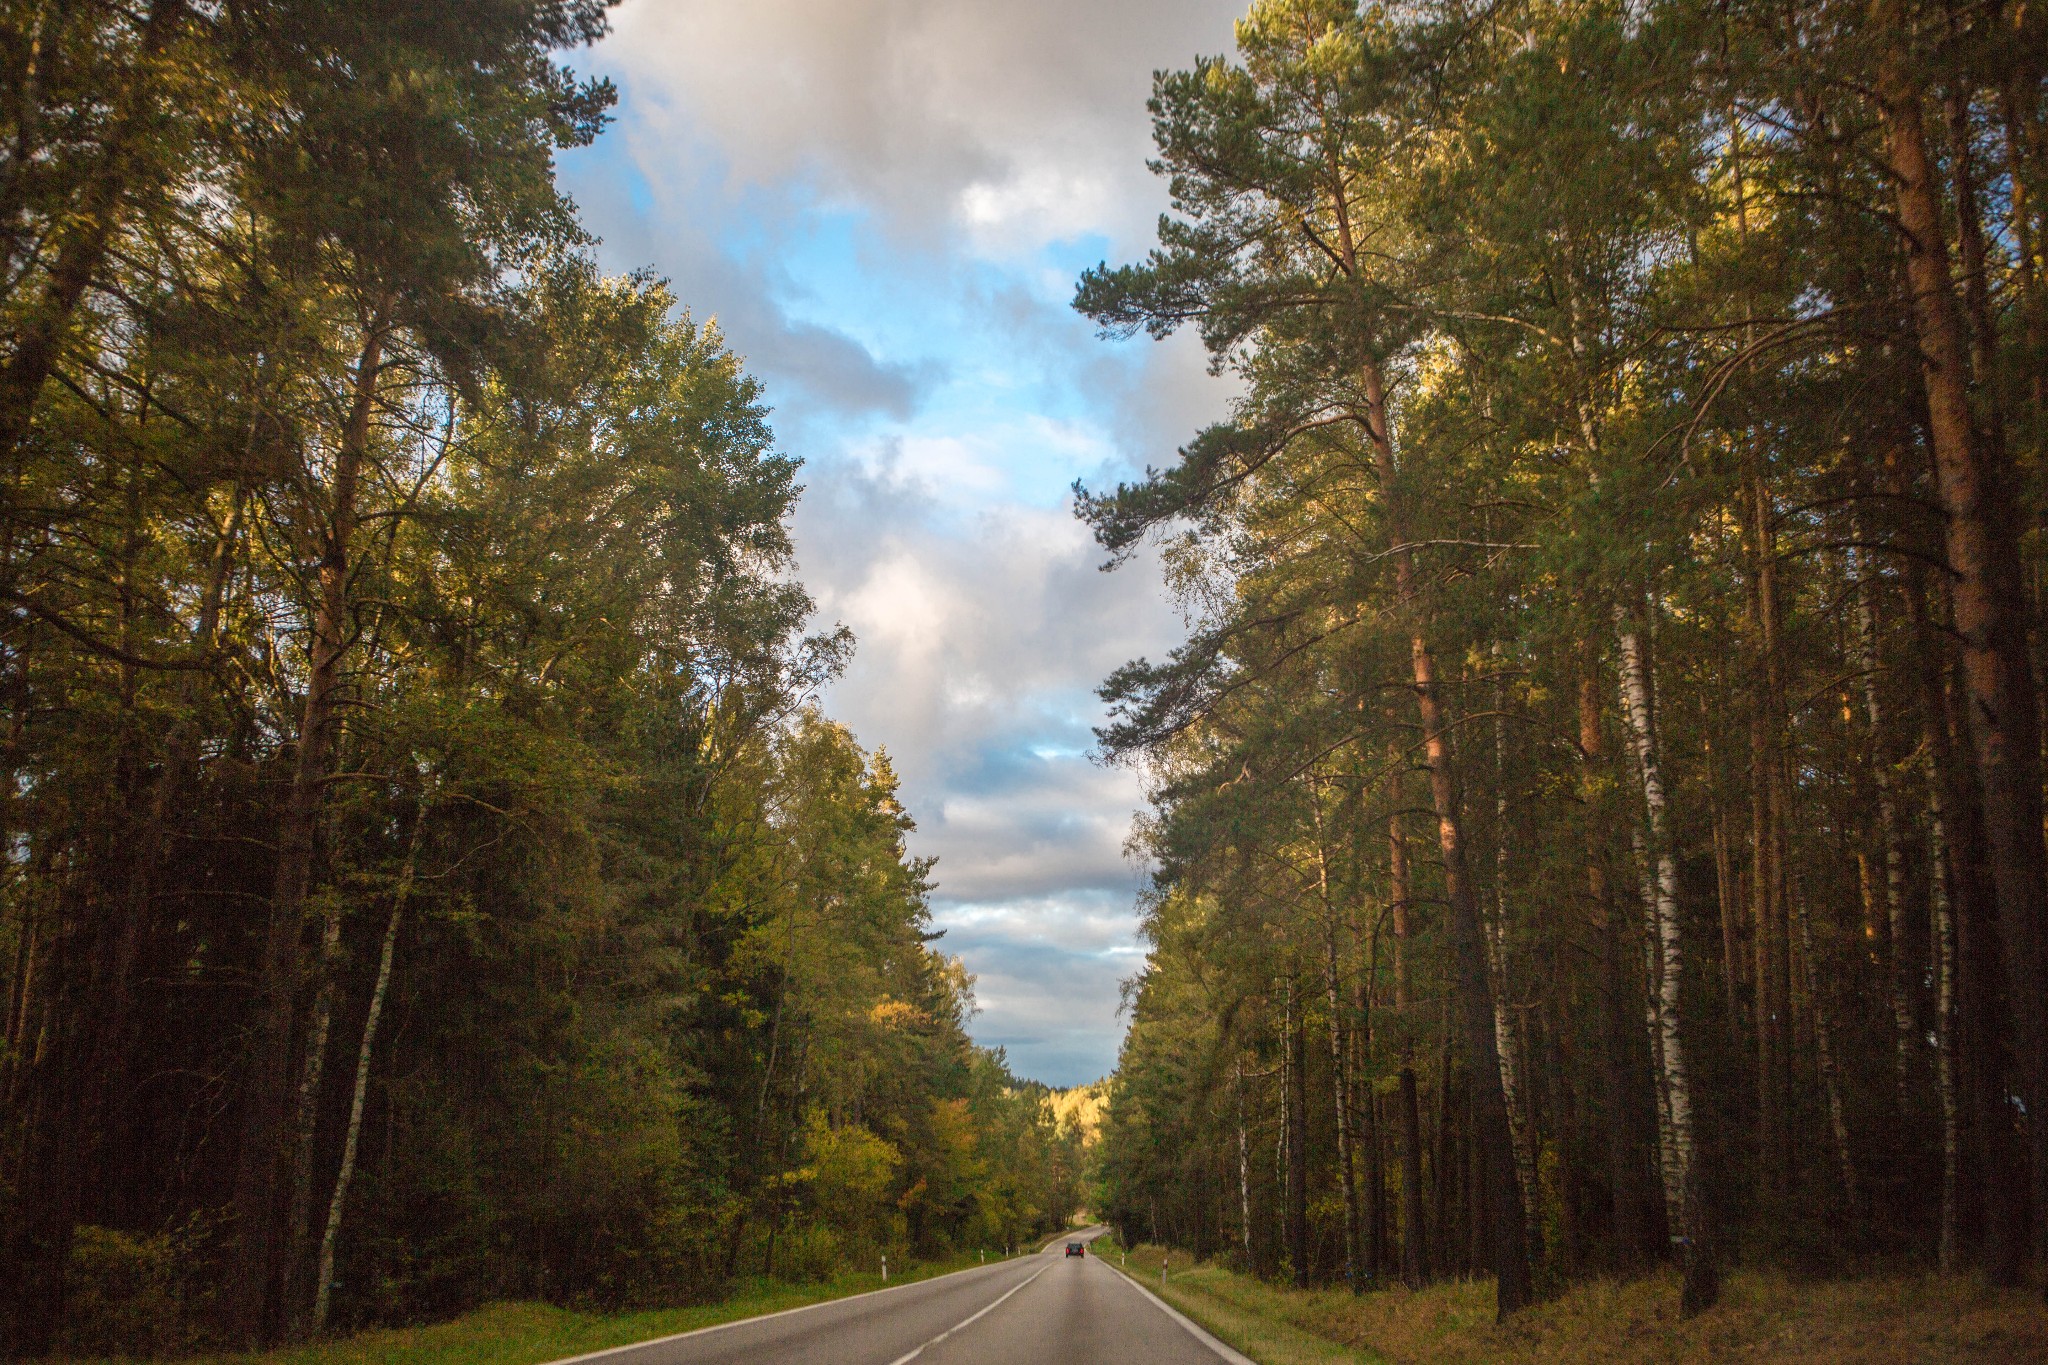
(849,1168)
(1080,1109)
(898,1016)
(953,1124)
(1437,368)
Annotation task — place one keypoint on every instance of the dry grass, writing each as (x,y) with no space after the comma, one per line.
(1763,1316)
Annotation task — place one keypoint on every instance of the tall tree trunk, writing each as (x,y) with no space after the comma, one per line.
(330,1238)
(1373,1215)
(1728,900)
(1295,1123)
(1340,1094)
(1948,1244)
(1562,1108)
(1983,326)
(1474,992)
(2016,106)
(266,1084)
(1479,1218)
(20,995)
(1694,1236)
(305,1119)
(1443,1162)
(1988,1224)
(1244,1174)
(1988,592)
(1414,1241)
(1824,1054)
(1512,1079)
(1899,978)
(1653,972)
(1634,1235)
(1771,922)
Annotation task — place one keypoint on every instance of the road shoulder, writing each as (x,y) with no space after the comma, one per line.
(1222,1348)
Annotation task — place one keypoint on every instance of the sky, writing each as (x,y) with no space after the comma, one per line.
(884,204)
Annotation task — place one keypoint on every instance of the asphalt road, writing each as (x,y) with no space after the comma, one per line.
(1047,1309)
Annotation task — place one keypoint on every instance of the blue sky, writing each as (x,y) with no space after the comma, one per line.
(884,204)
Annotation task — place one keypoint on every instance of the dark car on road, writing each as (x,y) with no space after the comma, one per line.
(1077,1248)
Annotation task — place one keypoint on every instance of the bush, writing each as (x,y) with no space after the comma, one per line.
(128,1295)
(807,1255)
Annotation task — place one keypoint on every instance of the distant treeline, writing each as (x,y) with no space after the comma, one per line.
(426,874)
(1598,809)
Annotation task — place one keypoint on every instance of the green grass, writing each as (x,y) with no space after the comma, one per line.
(1237,1310)
(1763,1316)
(531,1333)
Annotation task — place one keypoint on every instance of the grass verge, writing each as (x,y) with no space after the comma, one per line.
(1235,1309)
(533,1333)
(1763,1316)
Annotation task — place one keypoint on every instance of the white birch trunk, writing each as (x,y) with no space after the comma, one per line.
(1903,1030)
(1244,1173)
(324,1285)
(306,1116)
(1503,1018)
(1339,1079)
(1948,1250)
(1653,1019)
(1280,1156)
(1660,880)
(1340,1095)
(1824,1048)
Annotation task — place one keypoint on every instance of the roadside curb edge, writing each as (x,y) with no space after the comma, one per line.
(1201,1334)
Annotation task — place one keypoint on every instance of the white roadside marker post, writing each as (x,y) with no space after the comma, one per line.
(885,1269)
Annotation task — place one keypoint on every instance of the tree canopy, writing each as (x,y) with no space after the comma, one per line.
(428,872)
(1597,810)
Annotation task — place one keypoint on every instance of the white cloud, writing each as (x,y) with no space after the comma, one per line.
(882,202)
(979,644)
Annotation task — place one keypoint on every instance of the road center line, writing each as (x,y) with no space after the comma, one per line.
(778,1313)
(909,1356)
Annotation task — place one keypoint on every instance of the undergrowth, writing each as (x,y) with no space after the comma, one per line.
(1763,1316)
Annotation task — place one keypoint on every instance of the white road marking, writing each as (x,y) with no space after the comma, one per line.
(1208,1340)
(909,1356)
(784,1313)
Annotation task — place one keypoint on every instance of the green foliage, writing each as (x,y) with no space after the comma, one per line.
(373,569)
(1580,364)
(129,1293)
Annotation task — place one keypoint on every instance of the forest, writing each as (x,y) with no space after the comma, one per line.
(428,873)
(1597,809)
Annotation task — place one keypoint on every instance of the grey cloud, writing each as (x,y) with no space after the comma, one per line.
(982,113)
(1094,924)
(838,371)
(1047,978)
